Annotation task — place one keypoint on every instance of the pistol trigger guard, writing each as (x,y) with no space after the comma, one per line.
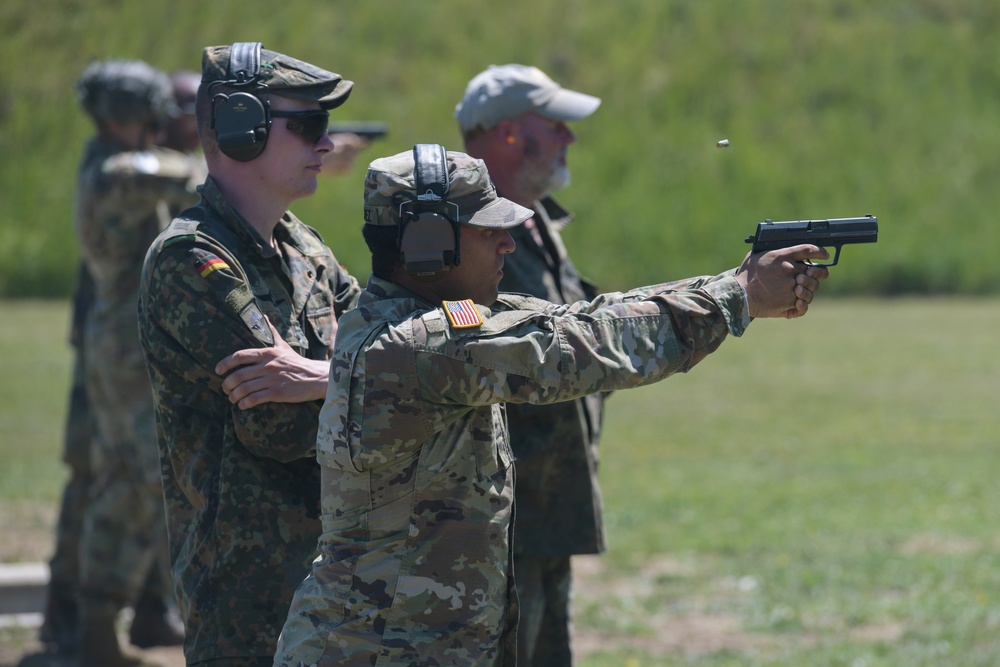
(836,258)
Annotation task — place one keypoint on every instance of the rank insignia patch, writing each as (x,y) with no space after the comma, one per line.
(257,323)
(462,314)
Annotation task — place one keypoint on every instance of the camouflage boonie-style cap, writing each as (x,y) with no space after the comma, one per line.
(283,75)
(390,181)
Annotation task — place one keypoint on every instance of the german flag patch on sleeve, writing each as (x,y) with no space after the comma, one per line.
(462,314)
(210,265)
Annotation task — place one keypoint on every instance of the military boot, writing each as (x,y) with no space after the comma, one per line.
(99,643)
(154,623)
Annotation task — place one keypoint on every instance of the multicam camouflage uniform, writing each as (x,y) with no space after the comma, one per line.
(123,201)
(415,557)
(241,486)
(555,447)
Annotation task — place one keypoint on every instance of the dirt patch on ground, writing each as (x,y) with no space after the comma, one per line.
(29,532)
(690,633)
(945,546)
(694,625)
(20,649)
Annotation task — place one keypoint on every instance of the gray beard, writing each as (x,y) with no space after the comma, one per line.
(541,185)
(557,180)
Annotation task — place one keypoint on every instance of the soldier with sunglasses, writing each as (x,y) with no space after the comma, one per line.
(238,314)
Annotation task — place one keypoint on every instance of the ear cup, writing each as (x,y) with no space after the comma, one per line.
(241,125)
(242,120)
(427,245)
(428,237)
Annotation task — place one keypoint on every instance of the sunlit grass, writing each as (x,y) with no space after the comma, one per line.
(34,381)
(820,492)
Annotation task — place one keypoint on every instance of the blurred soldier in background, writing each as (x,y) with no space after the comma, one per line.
(126,190)
(181,132)
(60,624)
(513,117)
(154,622)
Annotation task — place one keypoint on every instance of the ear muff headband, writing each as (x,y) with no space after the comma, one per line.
(242,120)
(428,226)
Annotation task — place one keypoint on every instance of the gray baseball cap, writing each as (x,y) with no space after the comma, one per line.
(505,91)
(391,181)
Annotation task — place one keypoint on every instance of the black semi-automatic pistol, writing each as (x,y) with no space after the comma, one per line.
(369,129)
(835,233)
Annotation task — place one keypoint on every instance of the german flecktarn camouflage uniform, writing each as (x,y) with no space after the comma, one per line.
(241,486)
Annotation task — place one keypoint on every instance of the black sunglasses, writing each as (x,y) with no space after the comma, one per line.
(311,125)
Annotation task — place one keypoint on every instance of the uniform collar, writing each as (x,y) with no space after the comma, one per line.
(216,201)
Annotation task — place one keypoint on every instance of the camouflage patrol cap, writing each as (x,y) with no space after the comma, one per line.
(283,75)
(125,91)
(391,181)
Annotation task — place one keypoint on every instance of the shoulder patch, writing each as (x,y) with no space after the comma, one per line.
(258,324)
(180,229)
(170,240)
(209,265)
(241,300)
(462,314)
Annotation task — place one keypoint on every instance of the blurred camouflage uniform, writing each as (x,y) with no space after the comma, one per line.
(59,628)
(415,563)
(60,624)
(558,496)
(559,510)
(124,198)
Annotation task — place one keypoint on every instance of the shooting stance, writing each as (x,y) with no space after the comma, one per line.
(417,490)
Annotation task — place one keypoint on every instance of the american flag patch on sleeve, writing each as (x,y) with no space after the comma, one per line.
(462,314)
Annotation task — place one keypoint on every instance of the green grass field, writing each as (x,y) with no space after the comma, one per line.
(820,492)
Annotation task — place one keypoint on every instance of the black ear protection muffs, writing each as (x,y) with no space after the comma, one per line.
(428,226)
(242,120)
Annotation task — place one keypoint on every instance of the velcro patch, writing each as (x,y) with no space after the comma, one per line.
(462,314)
(257,322)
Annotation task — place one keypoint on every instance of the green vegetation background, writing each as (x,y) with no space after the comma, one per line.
(833,108)
(773,508)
